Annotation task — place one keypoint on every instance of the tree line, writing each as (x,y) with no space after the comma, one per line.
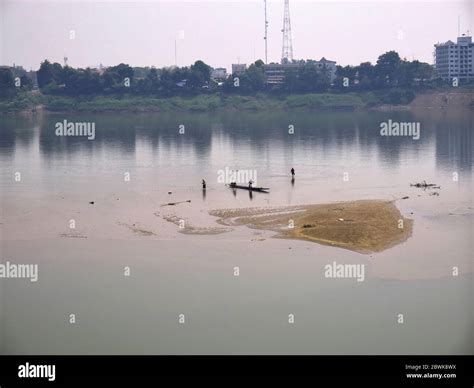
(390,71)
(13,80)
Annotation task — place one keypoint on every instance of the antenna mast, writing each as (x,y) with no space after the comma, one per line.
(266,33)
(287,51)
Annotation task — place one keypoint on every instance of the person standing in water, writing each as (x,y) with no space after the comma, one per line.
(203,184)
(292,172)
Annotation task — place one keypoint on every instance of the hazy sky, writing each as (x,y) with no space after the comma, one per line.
(143,33)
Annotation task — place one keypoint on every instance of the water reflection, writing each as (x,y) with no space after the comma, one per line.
(219,138)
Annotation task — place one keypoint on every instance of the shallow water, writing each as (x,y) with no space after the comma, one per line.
(172,273)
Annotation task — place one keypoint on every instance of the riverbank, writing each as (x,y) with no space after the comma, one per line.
(136,104)
(394,99)
(362,226)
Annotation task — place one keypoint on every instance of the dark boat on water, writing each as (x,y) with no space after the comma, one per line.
(258,189)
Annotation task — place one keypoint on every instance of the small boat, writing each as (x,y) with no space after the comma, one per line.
(258,189)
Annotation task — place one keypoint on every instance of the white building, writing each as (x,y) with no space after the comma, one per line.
(330,67)
(455,60)
(275,72)
(219,73)
(238,68)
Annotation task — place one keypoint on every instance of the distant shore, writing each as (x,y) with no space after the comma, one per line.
(32,103)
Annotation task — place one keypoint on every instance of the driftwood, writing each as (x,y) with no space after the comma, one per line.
(425,185)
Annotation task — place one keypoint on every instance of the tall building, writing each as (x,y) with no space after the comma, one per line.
(455,60)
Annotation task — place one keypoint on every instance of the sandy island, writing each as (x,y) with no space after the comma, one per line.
(362,226)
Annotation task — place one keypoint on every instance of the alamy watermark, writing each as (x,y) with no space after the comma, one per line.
(394,128)
(19,271)
(67,128)
(345,271)
(228,175)
(37,371)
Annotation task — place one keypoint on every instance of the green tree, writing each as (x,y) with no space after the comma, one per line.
(306,79)
(26,82)
(45,74)
(7,83)
(116,78)
(199,76)
(256,77)
(386,68)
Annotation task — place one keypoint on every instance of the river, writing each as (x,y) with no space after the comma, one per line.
(117,276)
